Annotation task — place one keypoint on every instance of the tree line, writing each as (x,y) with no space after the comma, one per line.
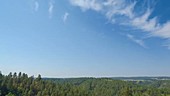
(21,84)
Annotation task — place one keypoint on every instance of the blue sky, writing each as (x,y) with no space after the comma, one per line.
(79,38)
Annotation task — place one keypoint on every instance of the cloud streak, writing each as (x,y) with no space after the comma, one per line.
(50,9)
(87,4)
(126,9)
(36,5)
(65,17)
(137,41)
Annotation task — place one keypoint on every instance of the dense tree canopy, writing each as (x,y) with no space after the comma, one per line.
(22,85)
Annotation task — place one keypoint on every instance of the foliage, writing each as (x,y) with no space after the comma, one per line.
(22,85)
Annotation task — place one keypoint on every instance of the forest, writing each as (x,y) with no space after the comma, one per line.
(20,84)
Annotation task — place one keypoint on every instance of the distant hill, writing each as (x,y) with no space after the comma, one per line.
(140,78)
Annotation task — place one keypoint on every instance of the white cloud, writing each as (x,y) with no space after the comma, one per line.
(65,17)
(87,4)
(137,41)
(118,7)
(163,31)
(125,9)
(143,22)
(152,25)
(36,5)
(51,8)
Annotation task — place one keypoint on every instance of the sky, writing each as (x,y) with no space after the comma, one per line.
(85,38)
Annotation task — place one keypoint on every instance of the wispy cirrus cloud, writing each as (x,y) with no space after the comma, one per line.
(126,9)
(87,4)
(36,6)
(51,3)
(51,8)
(137,41)
(65,17)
